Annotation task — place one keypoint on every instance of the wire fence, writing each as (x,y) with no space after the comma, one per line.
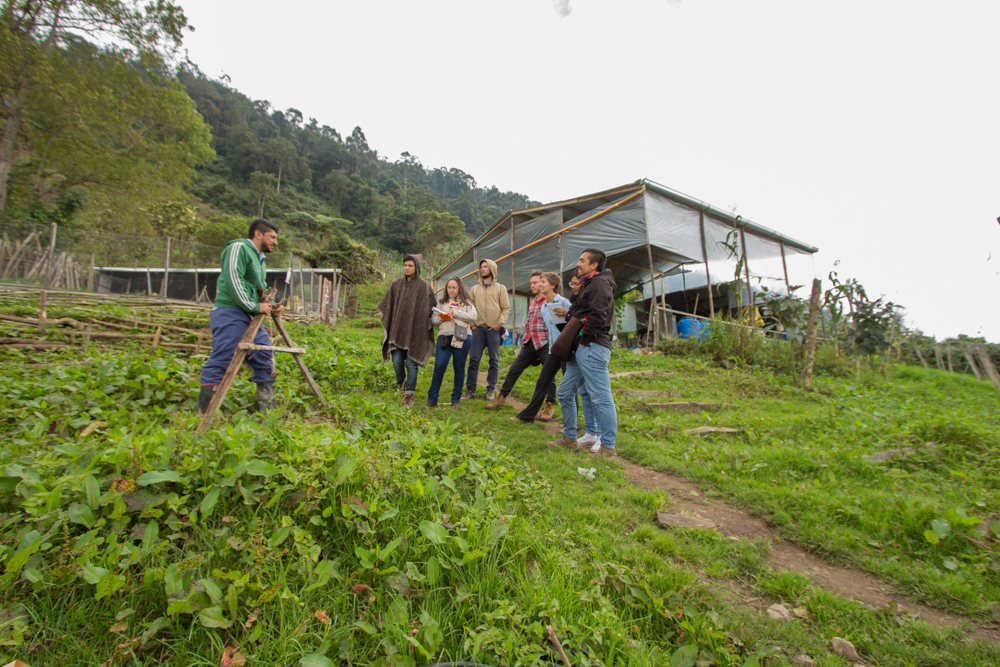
(54,257)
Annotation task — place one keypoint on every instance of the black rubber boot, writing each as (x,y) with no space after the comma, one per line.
(205,397)
(265,396)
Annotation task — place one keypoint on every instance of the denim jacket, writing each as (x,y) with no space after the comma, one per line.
(551,319)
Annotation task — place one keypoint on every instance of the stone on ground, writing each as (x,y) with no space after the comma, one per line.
(803,660)
(779,612)
(845,649)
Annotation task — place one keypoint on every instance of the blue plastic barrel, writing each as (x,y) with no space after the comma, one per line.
(688,328)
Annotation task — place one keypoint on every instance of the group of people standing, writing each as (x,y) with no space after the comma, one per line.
(471,322)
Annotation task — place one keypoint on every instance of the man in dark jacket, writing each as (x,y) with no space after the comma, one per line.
(406,315)
(589,365)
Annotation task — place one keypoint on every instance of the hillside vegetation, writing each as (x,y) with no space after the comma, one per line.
(364,533)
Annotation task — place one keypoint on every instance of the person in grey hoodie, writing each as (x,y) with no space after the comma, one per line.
(492,309)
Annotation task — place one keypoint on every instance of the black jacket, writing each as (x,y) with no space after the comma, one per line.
(596,303)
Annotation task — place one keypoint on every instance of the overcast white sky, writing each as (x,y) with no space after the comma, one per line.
(869,129)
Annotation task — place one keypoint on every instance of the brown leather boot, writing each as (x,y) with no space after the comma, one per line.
(499,402)
(564,442)
(548,413)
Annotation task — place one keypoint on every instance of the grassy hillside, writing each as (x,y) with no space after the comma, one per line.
(364,533)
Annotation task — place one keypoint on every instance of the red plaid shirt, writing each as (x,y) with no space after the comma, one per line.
(535,329)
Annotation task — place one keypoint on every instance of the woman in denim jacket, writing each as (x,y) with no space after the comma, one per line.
(454,310)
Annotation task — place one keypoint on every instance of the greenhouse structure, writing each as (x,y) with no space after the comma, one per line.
(664,247)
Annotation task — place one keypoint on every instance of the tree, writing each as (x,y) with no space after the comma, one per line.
(107,131)
(31,33)
(437,231)
(261,183)
(175,219)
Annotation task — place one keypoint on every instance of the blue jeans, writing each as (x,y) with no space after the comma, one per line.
(456,355)
(406,371)
(228,327)
(484,338)
(589,368)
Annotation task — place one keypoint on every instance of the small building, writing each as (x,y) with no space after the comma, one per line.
(664,247)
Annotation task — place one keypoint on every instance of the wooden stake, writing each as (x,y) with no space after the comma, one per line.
(972,364)
(810,354)
(558,644)
(156,339)
(86,337)
(41,312)
(947,349)
(149,284)
(197,347)
(52,249)
(916,349)
(166,270)
(988,367)
(90,273)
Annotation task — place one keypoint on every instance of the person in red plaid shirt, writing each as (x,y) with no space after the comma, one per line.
(534,351)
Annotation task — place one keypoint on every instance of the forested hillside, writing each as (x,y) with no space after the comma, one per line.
(117,140)
(275,162)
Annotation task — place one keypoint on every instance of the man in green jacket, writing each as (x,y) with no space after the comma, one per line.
(237,300)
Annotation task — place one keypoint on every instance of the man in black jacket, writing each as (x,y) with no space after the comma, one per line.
(589,365)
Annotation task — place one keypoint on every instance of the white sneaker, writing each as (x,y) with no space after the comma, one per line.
(588,439)
(596,449)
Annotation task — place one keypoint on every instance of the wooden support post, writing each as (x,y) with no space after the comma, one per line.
(86,337)
(197,346)
(52,250)
(149,283)
(784,267)
(654,321)
(302,288)
(337,279)
(312,290)
(513,279)
(166,270)
(90,273)
(811,340)
(41,312)
(324,291)
(156,340)
(988,367)
(972,364)
(196,295)
(708,274)
(746,270)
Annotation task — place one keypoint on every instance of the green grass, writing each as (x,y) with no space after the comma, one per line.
(521,541)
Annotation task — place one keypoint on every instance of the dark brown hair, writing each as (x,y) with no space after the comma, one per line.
(463,294)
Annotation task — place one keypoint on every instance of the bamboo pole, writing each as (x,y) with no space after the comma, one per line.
(41,312)
(708,274)
(937,356)
(810,352)
(654,320)
(52,249)
(947,349)
(166,270)
(916,349)
(972,364)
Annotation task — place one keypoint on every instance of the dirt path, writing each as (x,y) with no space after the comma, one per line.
(848,582)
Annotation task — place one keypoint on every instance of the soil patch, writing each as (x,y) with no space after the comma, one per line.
(734,522)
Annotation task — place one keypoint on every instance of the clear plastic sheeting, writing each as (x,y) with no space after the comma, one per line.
(764,260)
(674,227)
(541,257)
(496,245)
(530,231)
(617,231)
(800,271)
